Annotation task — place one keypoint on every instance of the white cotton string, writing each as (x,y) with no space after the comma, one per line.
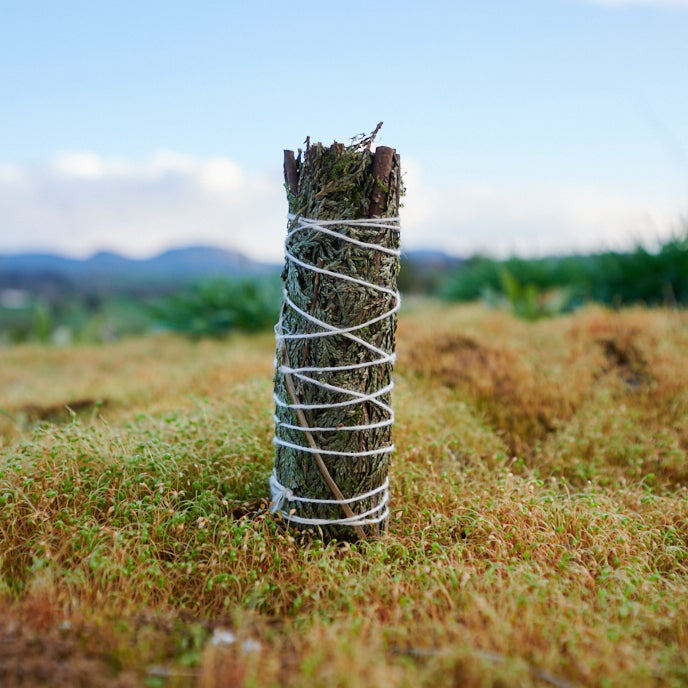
(289,496)
(333,452)
(369,426)
(281,494)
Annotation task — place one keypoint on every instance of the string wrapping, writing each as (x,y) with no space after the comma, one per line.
(307,375)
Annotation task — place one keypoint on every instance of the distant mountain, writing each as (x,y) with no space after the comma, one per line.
(431,258)
(51,275)
(112,271)
(206,260)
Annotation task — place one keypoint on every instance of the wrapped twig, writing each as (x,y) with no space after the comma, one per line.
(336,339)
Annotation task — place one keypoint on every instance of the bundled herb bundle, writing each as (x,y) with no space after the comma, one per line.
(336,339)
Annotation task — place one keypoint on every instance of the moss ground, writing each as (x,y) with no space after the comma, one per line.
(539,531)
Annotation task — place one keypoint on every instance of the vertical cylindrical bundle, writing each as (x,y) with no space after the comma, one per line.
(336,340)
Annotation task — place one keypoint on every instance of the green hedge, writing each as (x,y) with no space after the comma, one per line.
(639,276)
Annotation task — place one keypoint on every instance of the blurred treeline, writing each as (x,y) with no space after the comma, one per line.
(530,288)
(208,308)
(534,288)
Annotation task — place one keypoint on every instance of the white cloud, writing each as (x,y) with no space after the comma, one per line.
(164,162)
(79,203)
(221,175)
(10,175)
(79,165)
(501,221)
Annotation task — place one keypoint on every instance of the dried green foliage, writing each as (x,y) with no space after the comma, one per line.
(216,306)
(338,183)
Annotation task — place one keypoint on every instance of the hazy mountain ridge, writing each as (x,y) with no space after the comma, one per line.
(193,261)
(54,278)
(52,275)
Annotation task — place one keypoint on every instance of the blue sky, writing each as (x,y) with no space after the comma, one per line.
(523,126)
